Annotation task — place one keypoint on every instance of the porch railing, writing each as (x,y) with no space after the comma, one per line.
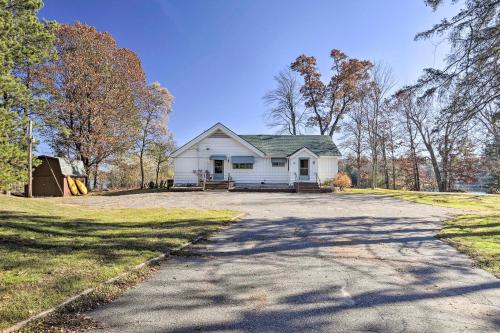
(297,183)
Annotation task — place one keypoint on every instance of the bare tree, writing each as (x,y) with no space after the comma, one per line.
(440,131)
(160,151)
(407,106)
(489,117)
(354,137)
(385,142)
(285,104)
(393,145)
(154,106)
(373,102)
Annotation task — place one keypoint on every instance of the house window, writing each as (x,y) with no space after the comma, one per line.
(278,162)
(242,165)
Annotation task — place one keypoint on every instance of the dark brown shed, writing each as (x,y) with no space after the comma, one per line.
(49,178)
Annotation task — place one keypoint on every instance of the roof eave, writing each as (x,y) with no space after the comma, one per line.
(303,148)
(209,131)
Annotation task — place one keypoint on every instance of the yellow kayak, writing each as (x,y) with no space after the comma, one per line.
(72,186)
(81,186)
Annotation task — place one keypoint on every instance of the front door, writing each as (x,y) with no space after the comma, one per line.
(218,170)
(304,169)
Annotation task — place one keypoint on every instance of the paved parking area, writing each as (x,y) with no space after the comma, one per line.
(309,263)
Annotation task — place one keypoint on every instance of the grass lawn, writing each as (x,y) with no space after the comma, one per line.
(487,202)
(50,251)
(477,234)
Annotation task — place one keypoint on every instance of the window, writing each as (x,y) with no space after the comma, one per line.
(242,165)
(304,167)
(278,162)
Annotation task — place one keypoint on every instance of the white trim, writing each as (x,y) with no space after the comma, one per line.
(210,131)
(303,149)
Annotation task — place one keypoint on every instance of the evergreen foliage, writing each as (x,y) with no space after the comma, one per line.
(24,43)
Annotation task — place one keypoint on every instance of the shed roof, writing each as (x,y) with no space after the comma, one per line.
(73,168)
(285,145)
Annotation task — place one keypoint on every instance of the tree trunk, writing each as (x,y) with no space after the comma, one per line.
(86,164)
(358,166)
(393,175)
(157,173)
(335,122)
(386,168)
(374,171)
(427,140)
(444,174)
(141,162)
(415,171)
(391,137)
(413,156)
(435,167)
(95,175)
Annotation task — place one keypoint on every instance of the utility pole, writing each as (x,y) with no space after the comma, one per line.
(30,159)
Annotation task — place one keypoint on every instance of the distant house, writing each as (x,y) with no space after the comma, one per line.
(219,154)
(49,178)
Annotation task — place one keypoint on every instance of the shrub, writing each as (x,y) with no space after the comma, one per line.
(327,182)
(342,181)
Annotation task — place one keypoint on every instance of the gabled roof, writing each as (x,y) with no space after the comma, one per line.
(303,149)
(270,145)
(219,128)
(286,145)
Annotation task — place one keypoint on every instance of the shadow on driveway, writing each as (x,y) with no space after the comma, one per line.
(289,274)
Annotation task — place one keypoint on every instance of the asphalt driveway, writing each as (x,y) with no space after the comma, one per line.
(309,263)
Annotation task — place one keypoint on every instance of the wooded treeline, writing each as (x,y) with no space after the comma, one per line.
(441,133)
(88,97)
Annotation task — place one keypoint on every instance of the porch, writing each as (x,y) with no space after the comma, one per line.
(231,186)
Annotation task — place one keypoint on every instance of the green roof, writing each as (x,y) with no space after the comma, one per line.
(285,145)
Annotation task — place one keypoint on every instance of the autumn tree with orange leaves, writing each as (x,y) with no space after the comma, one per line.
(93,88)
(328,103)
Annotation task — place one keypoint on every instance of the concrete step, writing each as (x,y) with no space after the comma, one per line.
(216,185)
(211,187)
(307,187)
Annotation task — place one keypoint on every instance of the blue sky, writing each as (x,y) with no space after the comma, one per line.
(218,57)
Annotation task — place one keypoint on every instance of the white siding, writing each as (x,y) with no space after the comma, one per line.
(327,167)
(197,158)
(294,166)
(262,171)
(185,170)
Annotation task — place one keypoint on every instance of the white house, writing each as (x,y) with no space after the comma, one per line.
(220,154)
